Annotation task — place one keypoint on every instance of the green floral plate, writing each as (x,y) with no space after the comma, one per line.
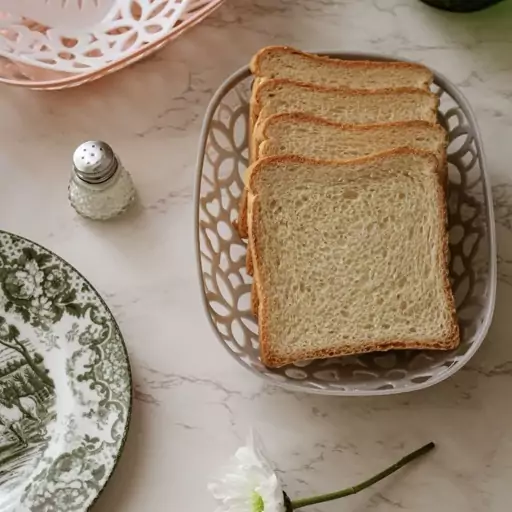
(65,383)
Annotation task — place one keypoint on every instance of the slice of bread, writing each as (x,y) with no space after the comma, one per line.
(286,62)
(356,106)
(338,105)
(314,137)
(351,257)
(305,135)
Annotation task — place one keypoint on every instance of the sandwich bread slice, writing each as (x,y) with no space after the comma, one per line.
(302,134)
(286,62)
(350,257)
(312,137)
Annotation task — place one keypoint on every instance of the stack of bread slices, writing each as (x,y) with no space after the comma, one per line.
(344,208)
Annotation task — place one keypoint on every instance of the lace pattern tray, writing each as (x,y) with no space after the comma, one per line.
(226,286)
(38,57)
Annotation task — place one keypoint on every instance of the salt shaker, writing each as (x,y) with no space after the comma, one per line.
(100,187)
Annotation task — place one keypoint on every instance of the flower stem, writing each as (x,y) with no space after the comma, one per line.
(304,502)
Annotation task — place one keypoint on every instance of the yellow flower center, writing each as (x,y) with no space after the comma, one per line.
(257,502)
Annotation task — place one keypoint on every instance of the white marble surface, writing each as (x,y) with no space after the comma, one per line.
(193,404)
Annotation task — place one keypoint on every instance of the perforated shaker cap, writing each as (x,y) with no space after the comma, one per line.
(94,162)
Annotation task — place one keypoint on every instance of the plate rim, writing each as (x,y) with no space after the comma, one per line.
(127,425)
(244,72)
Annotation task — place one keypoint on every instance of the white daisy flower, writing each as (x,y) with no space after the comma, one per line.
(249,484)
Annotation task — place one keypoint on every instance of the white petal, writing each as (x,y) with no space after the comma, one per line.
(249,472)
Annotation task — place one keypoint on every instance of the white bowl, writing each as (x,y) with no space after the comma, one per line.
(226,285)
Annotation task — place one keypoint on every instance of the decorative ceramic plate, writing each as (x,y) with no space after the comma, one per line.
(226,285)
(65,383)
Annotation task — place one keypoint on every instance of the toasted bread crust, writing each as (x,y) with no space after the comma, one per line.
(248,258)
(273,360)
(257,60)
(242,225)
(255,300)
(254,287)
(321,121)
(251,121)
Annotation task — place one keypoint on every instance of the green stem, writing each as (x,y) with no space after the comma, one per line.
(304,502)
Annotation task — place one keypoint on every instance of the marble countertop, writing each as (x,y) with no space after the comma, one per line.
(193,404)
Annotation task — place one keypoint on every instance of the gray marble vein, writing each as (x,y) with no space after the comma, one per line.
(193,404)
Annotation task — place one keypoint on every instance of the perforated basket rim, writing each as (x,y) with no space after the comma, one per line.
(487,315)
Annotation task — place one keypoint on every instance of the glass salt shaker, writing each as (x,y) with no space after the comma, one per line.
(100,187)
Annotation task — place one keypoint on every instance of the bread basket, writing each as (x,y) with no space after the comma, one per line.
(41,57)
(225,284)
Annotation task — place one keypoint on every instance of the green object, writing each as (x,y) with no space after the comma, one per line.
(257,503)
(461,5)
(65,383)
(304,502)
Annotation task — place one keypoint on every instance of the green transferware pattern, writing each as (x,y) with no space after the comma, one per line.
(65,383)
